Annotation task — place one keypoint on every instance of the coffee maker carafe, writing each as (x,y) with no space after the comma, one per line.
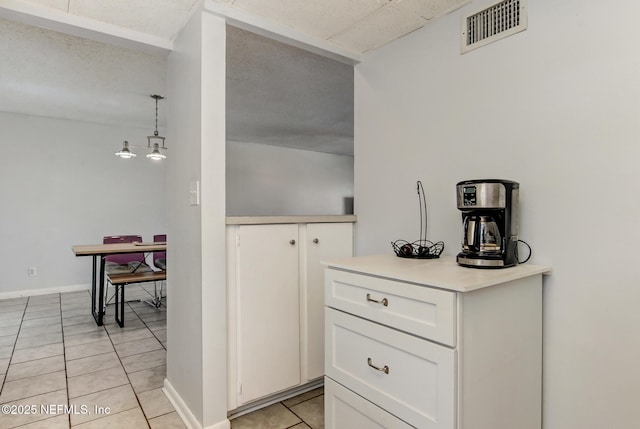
(490,212)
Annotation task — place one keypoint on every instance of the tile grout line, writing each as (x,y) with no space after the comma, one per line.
(151,330)
(12,355)
(13,350)
(128,383)
(145,323)
(295,414)
(67,378)
(133,309)
(61,318)
(64,357)
(127,374)
(163,347)
(157,339)
(306,400)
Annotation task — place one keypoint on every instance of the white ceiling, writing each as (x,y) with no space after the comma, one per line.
(61,76)
(277,94)
(355,25)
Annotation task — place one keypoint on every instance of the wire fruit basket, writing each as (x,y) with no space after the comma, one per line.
(422,248)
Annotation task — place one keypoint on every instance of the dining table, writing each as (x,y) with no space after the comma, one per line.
(98,252)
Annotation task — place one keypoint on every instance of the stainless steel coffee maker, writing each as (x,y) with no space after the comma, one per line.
(490,219)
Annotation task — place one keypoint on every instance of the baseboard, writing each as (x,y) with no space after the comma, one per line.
(35,292)
(184,412)
(225,424)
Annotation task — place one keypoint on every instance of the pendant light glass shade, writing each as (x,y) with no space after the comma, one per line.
(125,152)
(155,154)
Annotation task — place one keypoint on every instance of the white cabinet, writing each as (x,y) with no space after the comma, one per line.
(412,378)
(276,305)
(321,241)
(267,309)
(431,345)
(345,409)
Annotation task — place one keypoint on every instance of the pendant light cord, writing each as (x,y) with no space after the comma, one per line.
(155,133)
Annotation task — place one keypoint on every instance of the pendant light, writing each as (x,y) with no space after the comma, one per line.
(158,140)
(125,152)
(155,153)
(155,142)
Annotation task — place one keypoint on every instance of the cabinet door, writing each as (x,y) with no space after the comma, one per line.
(268,318)
(409,377)
(345,409)
(323,241)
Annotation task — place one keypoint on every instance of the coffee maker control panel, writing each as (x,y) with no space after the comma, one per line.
(488,195)
(469,196)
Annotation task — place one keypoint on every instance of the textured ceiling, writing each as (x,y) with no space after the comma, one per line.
(161,18)
(277,94)
(355,25)
(57,75)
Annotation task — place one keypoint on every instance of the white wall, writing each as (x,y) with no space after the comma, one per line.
(555,108)
(214,280)
(267,180)
(196,318)
(184,315)
(60,185)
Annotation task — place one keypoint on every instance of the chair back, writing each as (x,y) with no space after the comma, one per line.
(160,238)
(123,258)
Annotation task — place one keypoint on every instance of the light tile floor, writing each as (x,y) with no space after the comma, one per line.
(59,369)
(301,412)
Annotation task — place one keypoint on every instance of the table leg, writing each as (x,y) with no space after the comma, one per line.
(93,288)
(97,310)
(101,295)
(120,305)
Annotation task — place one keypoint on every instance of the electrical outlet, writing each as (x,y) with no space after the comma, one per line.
(32,272)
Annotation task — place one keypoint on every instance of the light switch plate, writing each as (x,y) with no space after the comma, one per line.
(194,193)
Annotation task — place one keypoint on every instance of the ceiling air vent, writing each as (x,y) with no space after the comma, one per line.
(493,23)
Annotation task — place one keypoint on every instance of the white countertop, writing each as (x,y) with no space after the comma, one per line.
(444,272)
(263,220)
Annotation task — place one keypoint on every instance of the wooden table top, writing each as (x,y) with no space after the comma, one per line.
(114,248)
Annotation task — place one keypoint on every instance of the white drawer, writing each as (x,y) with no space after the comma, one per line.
(343,409)
(418,385)
(427,312)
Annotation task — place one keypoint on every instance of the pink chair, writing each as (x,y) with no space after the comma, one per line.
(159,262)
(124,263)
(160,258)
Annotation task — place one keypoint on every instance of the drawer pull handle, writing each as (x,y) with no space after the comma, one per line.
(383,301)
(384,369)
